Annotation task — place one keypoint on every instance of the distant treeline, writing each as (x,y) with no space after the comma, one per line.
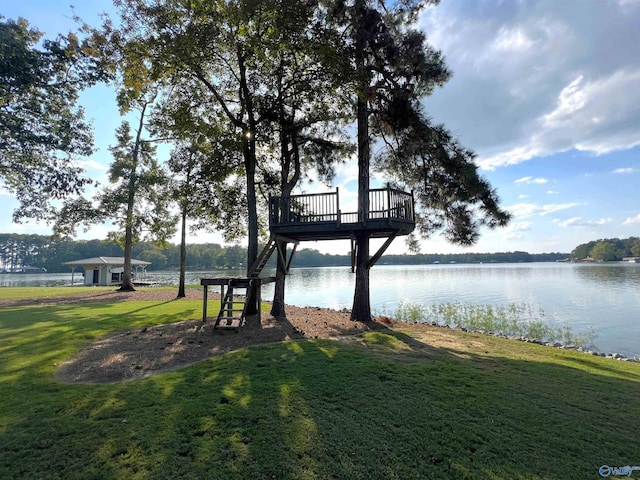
(44,252)
(608,249)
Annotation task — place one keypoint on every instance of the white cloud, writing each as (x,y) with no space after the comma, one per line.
(347,172)
(531,180)
(632,220)
(516,230)
(571,100)
(536,78)
(524,210)
(552,192)
(598,116)
(510,157)
(624,170)
(92,165)
(513,39)
(580,222)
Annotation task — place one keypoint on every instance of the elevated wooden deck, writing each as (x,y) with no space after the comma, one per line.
(319,217)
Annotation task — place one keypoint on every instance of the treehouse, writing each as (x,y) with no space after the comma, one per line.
(311,217)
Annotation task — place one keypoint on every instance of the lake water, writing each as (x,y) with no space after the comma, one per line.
(603,298)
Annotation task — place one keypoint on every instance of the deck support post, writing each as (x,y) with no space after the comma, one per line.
(353,255)
(205,297)
(293,251)
(373,260)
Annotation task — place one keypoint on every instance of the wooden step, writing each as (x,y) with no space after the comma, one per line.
(233,305)
(234,325)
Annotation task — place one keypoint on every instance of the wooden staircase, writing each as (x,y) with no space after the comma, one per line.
(233,306)
(263,258)
(267,251)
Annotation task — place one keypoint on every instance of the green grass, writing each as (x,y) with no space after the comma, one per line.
(46,292)
(391,405)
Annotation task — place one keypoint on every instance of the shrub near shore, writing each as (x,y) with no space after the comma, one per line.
(408,402)
(514,321)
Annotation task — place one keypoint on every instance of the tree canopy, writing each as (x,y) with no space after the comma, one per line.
(43,251)
(608,249)
(268,87)
(250,79)
(41,128)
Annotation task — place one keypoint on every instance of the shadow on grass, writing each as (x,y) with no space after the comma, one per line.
(329,409)
(39,338)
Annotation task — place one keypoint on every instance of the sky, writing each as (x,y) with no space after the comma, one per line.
(546,92)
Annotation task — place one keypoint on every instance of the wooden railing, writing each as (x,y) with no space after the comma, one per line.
(391,203)
(384,203)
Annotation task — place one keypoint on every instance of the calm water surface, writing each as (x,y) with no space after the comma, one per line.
(604,298)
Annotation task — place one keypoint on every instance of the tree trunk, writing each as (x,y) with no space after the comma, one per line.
(127,283)
(290,157)
(278,305)
(252,220)
(249,152)
(252,210)
(183,255)
(361,310)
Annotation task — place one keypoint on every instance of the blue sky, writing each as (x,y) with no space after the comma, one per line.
(546,92)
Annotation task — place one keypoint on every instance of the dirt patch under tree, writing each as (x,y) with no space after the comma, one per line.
(146,351)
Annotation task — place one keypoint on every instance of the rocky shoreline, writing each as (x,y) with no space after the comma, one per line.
(537,341)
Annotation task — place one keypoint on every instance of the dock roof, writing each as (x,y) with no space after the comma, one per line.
(105,261)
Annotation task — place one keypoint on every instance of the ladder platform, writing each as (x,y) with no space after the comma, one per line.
(233,304)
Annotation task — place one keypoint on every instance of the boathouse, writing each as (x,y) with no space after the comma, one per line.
(106,271)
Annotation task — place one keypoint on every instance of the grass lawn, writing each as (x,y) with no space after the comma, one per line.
(432,404)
